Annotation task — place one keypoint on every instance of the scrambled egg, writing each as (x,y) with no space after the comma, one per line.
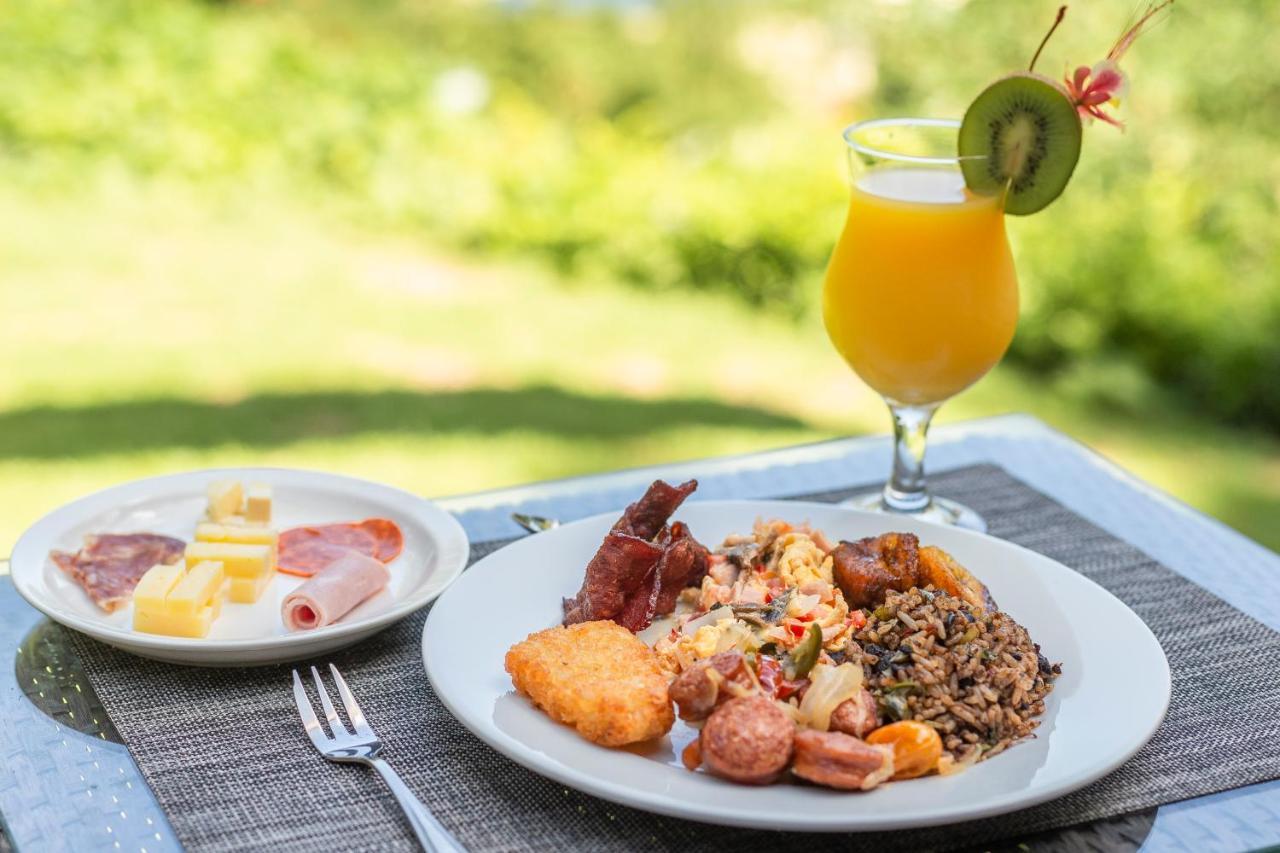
(701,644)
(704,640)
(801,560)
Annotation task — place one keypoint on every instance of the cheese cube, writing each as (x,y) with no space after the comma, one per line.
(175,624)
(239,559)
(210,532)
(256,536)
(257,504)
(201,585)
(225,499)
(153,589)
(178,602)
(248,590)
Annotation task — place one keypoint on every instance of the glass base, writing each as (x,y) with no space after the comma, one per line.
(939,511)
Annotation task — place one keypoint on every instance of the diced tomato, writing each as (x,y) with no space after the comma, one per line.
(789,688)
(774,683)
(769,671)
(797,629)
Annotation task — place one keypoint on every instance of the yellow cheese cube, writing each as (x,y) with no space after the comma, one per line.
(257,536)
(248,590)
(178,602)
(257,504)
(193,593)
(226,498)
(239,559)
(153,589)
(210,532)
(175,624)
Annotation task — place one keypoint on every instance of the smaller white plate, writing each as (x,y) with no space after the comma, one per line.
(435,552)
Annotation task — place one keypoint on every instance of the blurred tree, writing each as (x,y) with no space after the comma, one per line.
(692,143)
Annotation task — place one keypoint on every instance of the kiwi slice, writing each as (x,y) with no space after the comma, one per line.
(1020,137)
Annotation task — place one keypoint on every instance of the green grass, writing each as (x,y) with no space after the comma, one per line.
(150,333)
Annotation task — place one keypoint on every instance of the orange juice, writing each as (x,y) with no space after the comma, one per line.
(920,297)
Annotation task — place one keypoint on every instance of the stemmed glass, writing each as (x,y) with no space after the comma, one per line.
(921,296)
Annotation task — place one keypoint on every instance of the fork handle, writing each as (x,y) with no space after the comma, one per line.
(431,834)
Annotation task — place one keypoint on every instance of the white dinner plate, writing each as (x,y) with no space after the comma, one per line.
(435,551)
(1109,700)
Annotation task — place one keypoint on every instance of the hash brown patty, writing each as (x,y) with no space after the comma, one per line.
(597,677)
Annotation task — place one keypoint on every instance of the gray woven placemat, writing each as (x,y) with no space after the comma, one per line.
(232,769)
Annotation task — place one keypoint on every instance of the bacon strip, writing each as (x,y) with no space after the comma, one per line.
(619,567)
(642,564)
(686,568)
(683,563)
(646,517)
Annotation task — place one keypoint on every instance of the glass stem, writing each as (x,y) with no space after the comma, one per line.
(906,490)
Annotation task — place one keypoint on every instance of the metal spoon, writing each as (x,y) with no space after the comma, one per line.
(534,523)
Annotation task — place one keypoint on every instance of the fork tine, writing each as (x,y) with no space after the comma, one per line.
(330,714)
(308,714)
(349,701)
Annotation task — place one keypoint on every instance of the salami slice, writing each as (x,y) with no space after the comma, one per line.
(110,565)
(306,550)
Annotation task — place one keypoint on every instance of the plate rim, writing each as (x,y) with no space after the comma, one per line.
(660,803)
(27,561)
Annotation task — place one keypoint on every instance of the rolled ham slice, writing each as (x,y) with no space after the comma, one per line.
(334,591)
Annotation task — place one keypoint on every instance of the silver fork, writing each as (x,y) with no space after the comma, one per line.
(362,747)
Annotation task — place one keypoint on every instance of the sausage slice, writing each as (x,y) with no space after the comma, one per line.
(748,740)
(838,760)
(700,688)
(856,716)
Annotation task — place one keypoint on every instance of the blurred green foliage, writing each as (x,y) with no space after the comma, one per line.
(694,144)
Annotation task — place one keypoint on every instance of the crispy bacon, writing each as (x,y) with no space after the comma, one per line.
(646,517)
(618,568)
(642,565)
(683,562)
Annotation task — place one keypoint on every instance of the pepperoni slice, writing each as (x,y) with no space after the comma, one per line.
(306,550)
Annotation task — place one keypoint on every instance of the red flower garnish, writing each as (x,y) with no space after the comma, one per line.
(1105,84)
(1093,88)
